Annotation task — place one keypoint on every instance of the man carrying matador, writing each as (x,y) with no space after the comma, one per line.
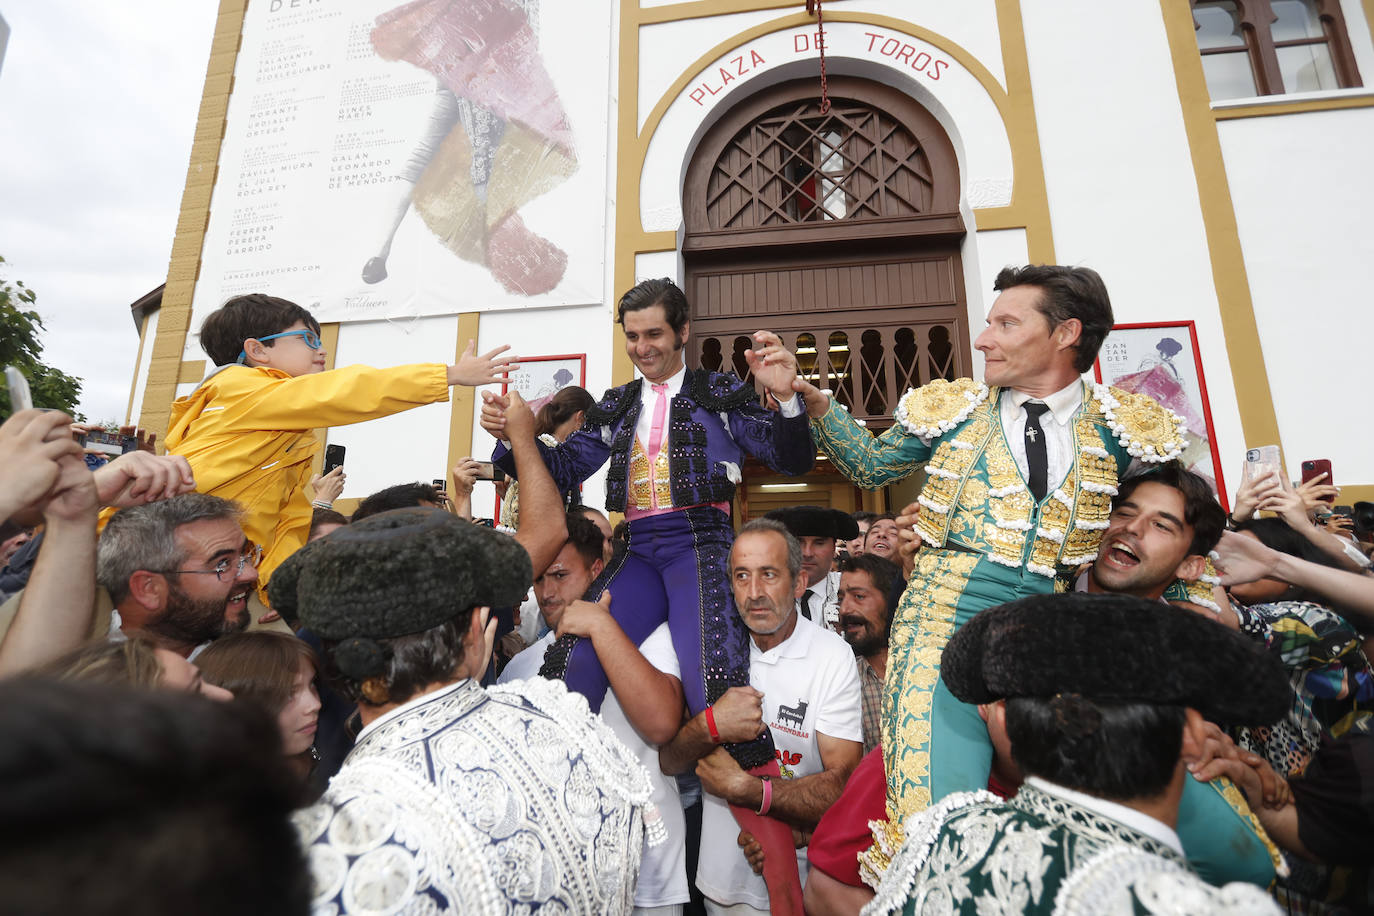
(676,440)
(1020,473)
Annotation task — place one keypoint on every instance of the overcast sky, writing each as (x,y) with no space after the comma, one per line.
(98,102)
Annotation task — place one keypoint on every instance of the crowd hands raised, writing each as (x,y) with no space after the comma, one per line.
(140,652)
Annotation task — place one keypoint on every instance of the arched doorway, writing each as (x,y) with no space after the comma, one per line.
(841,233)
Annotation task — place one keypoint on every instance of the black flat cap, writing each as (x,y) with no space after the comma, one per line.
(815,522)
(398,573)
(1115,647)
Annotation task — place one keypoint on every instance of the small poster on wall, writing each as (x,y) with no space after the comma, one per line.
(541,377)
(1162,360)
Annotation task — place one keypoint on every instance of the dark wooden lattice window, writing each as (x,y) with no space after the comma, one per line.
(839,232)
(795,165)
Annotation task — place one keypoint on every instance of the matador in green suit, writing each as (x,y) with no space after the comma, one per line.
(1020,473)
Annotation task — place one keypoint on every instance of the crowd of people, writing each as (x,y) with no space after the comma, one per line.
(1064,680)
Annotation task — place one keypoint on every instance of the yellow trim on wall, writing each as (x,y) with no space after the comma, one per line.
(1015,104)
(1265,110)
(164,368)
(1254,401)
(191,370)
(463,399)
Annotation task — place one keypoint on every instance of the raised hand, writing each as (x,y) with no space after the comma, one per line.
(519,418)
(493,418)
(32,442)
(773,365)
(475,371)
(817,401)
(327,487)
(135,478)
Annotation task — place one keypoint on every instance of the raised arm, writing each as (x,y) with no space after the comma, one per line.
(55,611)
(546,528)
(738,716)
(867,460)
(652,700)
(1243,559)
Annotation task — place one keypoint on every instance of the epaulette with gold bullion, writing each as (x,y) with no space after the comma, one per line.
(936,408)
(1145,428)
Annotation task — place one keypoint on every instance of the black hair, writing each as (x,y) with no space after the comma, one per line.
(885,575)
(649,293)
(413,662)
(256,315)
(325,517)
(1114,750)
(1276,534)
(119,800)
(585,537)
(863,516)
(1068,292)
(401,496)
(1201,511)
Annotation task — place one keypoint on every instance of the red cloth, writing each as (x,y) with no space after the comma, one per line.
(843,832)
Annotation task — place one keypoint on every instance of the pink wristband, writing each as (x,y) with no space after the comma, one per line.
(767,795)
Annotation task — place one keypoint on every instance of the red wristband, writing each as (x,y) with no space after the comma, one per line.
(711,725)
(767,795)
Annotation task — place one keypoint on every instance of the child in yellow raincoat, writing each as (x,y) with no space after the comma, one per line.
(247,430)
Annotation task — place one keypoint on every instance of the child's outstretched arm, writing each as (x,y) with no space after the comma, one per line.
(475,371)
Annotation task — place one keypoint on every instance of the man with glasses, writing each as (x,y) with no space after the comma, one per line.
(179,571)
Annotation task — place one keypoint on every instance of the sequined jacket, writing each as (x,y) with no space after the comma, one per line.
(503,801)
(1040,853)
(975,496)
(713,422)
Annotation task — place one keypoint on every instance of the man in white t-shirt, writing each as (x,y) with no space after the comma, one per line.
(646,679)
(804,686)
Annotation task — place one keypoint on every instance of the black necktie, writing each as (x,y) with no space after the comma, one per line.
(1036,461)
(806,603)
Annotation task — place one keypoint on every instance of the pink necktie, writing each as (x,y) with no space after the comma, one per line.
(660,415)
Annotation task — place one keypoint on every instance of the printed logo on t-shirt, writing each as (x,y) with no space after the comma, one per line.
(791,719)
(787,760)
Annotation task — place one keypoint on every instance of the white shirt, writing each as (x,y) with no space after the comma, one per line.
(810,686)
(663,872)
(1057,424)
(648,398)
(825,602)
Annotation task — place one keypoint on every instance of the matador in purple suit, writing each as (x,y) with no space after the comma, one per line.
(675,441)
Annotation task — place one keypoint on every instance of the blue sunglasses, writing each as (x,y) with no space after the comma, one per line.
(312,340)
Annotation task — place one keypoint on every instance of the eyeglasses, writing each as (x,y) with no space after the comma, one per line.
(312,340)
(226,567)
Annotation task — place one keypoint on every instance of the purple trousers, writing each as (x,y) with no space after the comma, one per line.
(674,571)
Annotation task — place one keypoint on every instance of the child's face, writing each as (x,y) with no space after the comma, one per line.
(291,354)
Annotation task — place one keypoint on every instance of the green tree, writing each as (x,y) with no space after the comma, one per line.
(20,347)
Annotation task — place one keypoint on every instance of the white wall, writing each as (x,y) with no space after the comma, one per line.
(1118,170)
(404,447)
(1303,199)
(145,360)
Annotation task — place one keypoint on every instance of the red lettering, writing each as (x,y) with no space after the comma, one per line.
(800,43)
(895,45)
(698,94)
(872,39)
(739,65)
(922,64)
(905,53)
(820,41)
(935,68)
(755,58)
(725,77)
(713,91)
